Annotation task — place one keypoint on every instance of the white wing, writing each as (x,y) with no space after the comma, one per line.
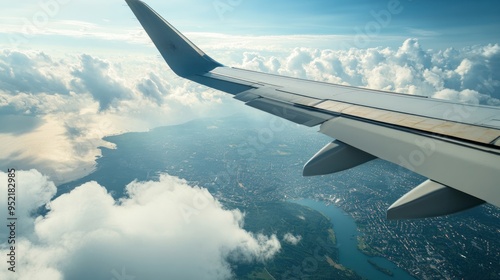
(456,146)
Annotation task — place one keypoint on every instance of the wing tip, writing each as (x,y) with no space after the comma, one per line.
(183,57)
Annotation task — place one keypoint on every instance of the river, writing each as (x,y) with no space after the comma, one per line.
(349,255)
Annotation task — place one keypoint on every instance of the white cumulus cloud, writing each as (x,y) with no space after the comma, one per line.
(472,73)
(55,110)
(32,190)
(292,239)
(161,229)
(67,104)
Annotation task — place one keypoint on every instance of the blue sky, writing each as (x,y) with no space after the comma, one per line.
(437,24)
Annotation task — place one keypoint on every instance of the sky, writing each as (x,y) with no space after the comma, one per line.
(74,71)
(437,24)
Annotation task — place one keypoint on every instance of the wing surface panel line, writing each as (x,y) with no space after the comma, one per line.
(458,144)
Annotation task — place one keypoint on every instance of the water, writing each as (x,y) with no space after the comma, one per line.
(349,255)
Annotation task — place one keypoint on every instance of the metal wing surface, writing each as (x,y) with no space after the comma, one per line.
(456,146)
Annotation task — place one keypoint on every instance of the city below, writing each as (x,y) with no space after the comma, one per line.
(245,163)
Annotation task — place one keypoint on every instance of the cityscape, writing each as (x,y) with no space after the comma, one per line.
(242,170)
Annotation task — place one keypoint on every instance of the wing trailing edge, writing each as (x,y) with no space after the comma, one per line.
(471,171)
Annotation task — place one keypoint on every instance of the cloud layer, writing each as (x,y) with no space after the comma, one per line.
(55,109)
(164,227)
(468,75)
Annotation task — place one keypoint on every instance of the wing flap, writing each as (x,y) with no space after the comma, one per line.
(289,112)
(497,142)
(276,94)
(473,133)
(246,96)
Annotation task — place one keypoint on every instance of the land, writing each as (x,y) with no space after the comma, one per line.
(311,258)
(380,268)
(245,170)
(366,249)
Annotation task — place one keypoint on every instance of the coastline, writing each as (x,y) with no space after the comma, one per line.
(354,252)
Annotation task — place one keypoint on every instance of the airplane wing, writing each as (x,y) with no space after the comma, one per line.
(456,146)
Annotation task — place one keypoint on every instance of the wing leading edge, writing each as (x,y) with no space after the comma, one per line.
(456,146)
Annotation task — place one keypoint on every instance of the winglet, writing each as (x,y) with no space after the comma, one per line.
(183,57)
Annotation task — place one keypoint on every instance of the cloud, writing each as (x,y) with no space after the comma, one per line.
(153,87)
(67,104)
(163,228)
(72,101)
(95,76)
(292,239)
(474,72)
(37,83)
(33,190)
(21,72)
(464,96)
